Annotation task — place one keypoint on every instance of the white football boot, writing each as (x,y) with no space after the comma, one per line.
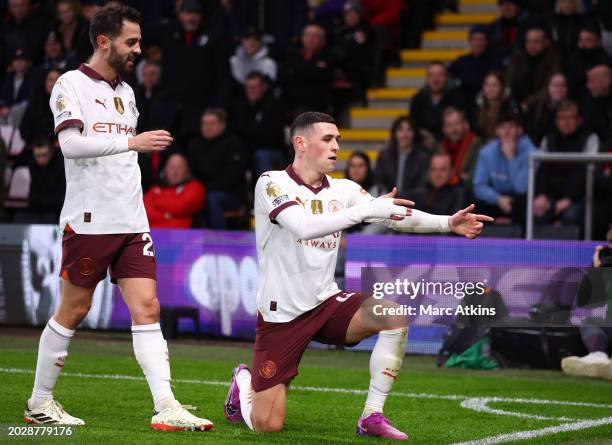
(50,413)
(177,418)
(591,365)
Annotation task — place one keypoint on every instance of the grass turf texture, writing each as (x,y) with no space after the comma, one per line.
(118,411)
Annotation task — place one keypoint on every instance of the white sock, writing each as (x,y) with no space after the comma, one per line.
(385,364)
(151,351)
(52,353)
(243,380)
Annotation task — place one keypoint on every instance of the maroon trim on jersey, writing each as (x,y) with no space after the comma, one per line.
(70,123)
(293,175)
(89,71)
(274,213)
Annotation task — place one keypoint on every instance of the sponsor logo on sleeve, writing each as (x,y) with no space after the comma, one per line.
(279,200)
(60,103)
(64,115)
(273,190)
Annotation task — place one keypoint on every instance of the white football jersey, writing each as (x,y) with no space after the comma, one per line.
(296,275)
(103,194)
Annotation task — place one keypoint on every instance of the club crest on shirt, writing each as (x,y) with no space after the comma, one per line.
(60,103)
(272,190)
(133,109)
(119,105)
(335,205)
(316,205)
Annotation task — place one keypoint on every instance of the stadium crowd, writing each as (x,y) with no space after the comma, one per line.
(226,77)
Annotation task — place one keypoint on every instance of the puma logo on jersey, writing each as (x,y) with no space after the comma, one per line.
(103,103)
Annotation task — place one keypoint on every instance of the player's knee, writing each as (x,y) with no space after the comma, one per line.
(148,310)
(267,424)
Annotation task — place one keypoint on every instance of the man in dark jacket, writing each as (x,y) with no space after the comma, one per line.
(47,186)
(560,186)
(195,69)
(427,106)
(216,159)
(305,75)
(438,195)
(530,67)
(589,53)
(505,32)
(258,120)
(596,104)
(471,69)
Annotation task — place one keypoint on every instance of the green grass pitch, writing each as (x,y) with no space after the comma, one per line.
(103,384)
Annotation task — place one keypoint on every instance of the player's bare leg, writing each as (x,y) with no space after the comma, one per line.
(385,364)
(74,305)
(151,351)
(262,411)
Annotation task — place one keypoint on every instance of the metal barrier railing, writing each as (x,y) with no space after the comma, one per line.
(589,159)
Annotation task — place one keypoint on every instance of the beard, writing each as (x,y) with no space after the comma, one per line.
(123,65)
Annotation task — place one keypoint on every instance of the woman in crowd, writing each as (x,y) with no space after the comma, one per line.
(493,101)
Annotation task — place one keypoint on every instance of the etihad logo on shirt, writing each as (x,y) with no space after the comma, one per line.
(113,128)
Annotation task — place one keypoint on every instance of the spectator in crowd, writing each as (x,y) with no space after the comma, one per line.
(403,164)
(251,56)
(90,7)
(47,186)
(195,66)
(55,57)
(560,186)
(565,24)
(439,196)
(24,29)
(173,202)
(258,120)
(540,108)
(492,102)
(500,180)
(72,30)
(37,119)
(504,33)
(589,53)
(354,54)
(596,103)
(17,88)
(305,75)
(217,160)
(427,105)
(471,69)
(601,13)
(147,93)
(531,66)
(461,145)
(359,170)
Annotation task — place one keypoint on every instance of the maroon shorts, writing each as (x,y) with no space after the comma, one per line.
(86,258)
(279,346)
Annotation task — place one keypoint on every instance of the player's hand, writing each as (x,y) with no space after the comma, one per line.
(468,224)
(596,257)
(399,202)
(155,140)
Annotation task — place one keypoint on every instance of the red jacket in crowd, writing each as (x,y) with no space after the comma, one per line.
(174,206)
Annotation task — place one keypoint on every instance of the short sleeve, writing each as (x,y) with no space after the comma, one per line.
(271,196)
(355,194)
(65,106)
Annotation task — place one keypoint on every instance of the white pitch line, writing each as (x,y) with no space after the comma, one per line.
(524,435)
(474,403)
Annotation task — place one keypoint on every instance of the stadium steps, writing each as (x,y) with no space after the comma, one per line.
(373,118)
(369,130)
(478,6)
(445,40)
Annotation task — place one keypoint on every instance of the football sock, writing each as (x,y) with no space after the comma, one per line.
(52,353)
(151,351)
(385,364)
(243,380)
